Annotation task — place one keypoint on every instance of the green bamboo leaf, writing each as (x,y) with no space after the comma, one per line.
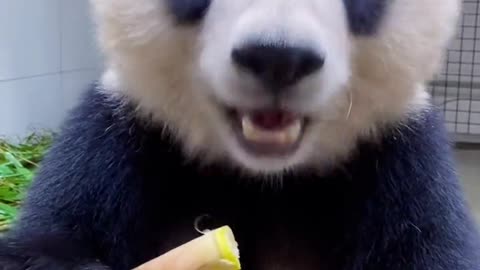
(6,170)
(7,210)
(18,165)
(11,158)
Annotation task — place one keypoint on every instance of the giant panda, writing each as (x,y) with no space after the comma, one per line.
(306,126)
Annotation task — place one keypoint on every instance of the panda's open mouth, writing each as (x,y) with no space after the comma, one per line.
(268,132)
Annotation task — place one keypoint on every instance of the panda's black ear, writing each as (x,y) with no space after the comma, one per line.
(188,11)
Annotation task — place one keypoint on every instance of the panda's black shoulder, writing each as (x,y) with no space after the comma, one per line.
(421,136)
(105,119)
(412,189)
(411,161)
(101,158)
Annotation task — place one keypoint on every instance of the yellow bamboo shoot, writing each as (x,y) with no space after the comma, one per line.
(215,250)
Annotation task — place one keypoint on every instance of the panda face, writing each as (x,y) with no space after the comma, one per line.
(274,85)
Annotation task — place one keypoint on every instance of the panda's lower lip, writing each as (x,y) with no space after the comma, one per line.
(268,133)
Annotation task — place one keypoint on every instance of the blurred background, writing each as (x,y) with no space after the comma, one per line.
(456,90)
(48,56)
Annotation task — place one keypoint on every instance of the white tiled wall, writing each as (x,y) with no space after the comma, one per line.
(469,170)
(457,88)
(48,56)
(78,48)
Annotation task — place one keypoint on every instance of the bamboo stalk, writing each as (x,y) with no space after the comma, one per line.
(215,250)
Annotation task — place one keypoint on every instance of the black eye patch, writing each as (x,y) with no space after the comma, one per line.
(365,16)
(188,11)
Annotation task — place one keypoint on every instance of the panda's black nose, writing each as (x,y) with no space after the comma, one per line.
(277,66)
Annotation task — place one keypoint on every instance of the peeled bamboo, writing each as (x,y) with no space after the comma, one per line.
(215,250)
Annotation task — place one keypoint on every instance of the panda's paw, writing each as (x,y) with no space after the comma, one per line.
(46,253)
(44,263)
(94,266)
(47,264)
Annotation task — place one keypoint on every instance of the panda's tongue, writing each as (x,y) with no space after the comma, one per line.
(275,127)
(272,119)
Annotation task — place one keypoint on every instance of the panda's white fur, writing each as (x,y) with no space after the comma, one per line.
(180,74)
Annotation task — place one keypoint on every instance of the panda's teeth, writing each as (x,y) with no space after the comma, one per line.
(286,136)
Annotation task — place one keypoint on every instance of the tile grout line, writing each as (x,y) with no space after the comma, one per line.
(60,41)
(48,74)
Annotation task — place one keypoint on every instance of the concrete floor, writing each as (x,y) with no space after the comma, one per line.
(468,162)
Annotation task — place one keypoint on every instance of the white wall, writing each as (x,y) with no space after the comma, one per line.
(47,57)
(469,170)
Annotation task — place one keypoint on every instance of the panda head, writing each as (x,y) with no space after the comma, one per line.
(274,85)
